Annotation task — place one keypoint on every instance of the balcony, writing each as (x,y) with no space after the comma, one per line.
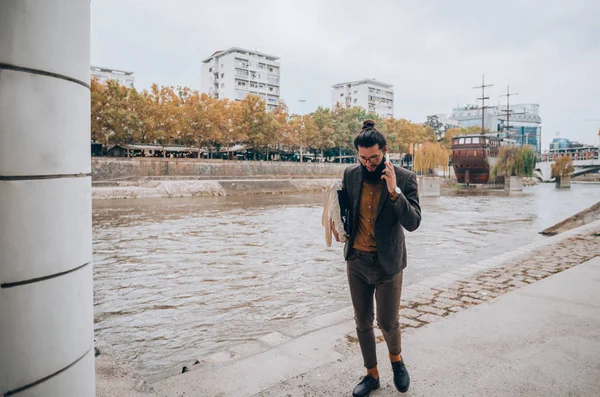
(241,74)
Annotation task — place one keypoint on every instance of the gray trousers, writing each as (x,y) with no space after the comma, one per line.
(367,279)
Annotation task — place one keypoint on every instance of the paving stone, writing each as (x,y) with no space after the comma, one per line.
(429,318)
(490,294)
(468,299)
(448,295)
(530,280)
(475,295)
(410,322)
(411,313)
(440,304)
(452,302)
(431,309)
(518,284)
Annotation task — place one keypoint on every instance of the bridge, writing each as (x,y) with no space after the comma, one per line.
(543,169)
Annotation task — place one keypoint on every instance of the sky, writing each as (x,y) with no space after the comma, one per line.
(433,52)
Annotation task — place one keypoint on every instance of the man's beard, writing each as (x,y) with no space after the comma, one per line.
(373,176)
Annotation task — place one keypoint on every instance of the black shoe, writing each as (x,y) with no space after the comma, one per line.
(401,378)
(366,385)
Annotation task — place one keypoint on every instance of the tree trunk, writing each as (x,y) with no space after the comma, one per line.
(340,154)
(301,153)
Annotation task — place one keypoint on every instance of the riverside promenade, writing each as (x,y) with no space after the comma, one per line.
(524,323)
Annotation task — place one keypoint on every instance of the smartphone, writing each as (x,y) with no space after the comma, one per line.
(387,158)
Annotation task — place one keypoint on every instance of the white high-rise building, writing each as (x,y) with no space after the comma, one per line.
(369,94)
(236,73)
(123,77)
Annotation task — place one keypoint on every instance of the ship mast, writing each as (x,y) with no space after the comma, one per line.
(508,95)
(482,99)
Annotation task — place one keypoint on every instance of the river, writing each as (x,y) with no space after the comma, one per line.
(178,279)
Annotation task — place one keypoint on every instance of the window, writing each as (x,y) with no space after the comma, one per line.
(222,75)
(474,152)
(261,65)
(461,141)
(270,69)
(468,141)
(354,100)
(342,94)
(466,153)
(222,85)
(476,140)
(271,89)
(210,70)
(459,152)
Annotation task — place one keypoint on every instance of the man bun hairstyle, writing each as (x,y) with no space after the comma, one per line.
(368,124)
(369,136)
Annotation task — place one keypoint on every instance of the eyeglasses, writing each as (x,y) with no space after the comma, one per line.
(372,159)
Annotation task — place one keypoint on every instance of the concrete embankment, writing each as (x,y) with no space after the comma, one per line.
(110,169)
(582,218)
(194,188)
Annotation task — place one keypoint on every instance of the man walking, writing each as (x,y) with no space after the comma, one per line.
(383,201)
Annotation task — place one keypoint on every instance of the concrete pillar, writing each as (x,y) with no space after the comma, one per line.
(513,184)
(563,182)
(430,186)
(46,301)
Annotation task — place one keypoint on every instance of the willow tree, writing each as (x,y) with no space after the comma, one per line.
(514,161)
(430,156)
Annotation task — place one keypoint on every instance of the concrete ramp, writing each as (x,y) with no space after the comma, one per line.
(582,218)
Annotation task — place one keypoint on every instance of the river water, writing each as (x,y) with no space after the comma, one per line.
(178,279)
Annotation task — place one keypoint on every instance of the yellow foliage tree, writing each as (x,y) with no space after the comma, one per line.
(429,157)
(563,167)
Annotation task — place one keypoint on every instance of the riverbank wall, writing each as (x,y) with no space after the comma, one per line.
(115,169)
(199,188)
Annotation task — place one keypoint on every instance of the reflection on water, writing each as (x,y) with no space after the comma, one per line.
(177,279)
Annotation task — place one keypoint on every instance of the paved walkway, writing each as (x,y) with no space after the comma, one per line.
(517,335)
(541,340)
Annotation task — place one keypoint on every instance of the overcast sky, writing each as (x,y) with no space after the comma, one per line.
(433,52)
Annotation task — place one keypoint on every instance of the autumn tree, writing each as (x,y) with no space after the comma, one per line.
(258,125)
(430,156)
(302,133)
(98,105)
(166,114)
(563,167)
(323,119)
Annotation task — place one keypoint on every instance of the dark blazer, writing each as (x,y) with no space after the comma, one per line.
(392,217)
